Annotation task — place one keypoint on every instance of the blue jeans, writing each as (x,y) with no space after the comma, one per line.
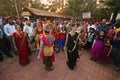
(61,44)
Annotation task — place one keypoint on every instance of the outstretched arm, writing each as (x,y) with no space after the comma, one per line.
(65,48)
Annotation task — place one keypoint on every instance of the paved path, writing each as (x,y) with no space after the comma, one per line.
(85,70)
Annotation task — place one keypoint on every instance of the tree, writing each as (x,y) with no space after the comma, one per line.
(113,6)
(37,4)
(7,7)
(77,7)
(100,13)
(53,6)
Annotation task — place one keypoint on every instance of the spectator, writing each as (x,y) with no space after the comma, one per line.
(103,26)
(22,46)
(3,48)
(97,49)
(9,29)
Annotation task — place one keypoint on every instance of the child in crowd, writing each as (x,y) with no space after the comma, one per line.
(90,38)
(104,57)
(56,31)
(62,38)
(98,46)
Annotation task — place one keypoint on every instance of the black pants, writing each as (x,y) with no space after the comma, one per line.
(72,58)
(47,60)
(115,56)
(4,49)
(88,45)
(7,43)
(1,57)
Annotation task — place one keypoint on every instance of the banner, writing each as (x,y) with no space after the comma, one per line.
(86,15)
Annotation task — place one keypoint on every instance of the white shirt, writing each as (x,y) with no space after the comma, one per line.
(9,29)
(79,29)
(0,21)
(88,28)
(60,25)
(90,37)
(93,26)
(28,29)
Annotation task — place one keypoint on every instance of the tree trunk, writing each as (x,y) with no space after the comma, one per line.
(114,17)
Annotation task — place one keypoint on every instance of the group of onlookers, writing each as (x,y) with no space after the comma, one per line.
(23,36)
(103,40)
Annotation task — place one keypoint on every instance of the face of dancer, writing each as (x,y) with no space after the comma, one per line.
(74,28)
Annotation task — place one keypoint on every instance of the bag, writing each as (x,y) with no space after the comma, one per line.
(48,51)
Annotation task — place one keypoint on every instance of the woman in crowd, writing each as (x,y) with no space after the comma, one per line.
(39,32)
(115,52)
(85,26)
(22,46)
(117,40)
(83,40)
(72,47)
(115,57)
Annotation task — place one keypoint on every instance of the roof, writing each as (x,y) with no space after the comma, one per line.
(39,12)
(26,13)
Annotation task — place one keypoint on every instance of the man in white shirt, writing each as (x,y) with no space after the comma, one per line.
(9,29)
(95,25)
(28,29)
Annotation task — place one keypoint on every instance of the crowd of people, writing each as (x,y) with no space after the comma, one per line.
(51,36)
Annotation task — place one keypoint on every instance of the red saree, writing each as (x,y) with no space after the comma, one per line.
(24,52)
